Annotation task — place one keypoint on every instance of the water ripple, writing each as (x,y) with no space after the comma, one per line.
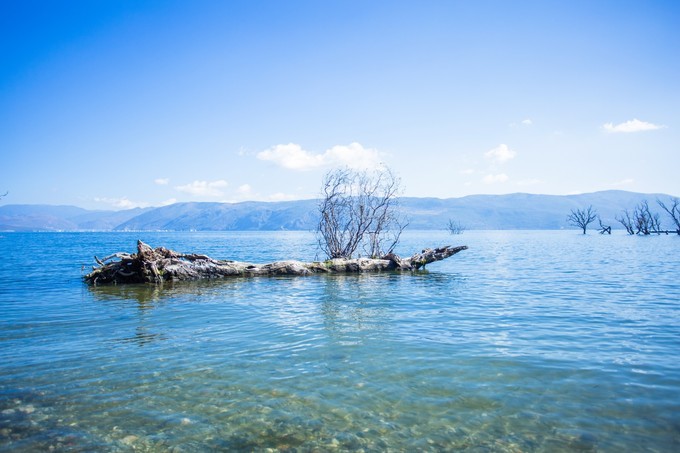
(528,341)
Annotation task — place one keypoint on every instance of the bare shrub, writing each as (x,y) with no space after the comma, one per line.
(673,210)
(641,221)
(359,212)
(455,227)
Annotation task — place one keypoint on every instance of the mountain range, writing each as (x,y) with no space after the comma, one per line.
(512,211)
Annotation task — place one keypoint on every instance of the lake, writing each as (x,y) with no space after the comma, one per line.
(528,341)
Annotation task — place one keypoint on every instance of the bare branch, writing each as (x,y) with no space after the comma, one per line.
(604,228)
(626,221)
(582,217)
(455,227)
(673,210)
(359,211)
(642,220)
(646,222)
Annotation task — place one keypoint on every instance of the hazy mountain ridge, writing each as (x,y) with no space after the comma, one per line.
(521,210)
(23,217)
(249,215)
(512,211)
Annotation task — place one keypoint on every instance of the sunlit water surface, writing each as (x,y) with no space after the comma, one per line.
(528,341)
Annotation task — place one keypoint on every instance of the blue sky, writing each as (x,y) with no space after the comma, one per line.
(117,104)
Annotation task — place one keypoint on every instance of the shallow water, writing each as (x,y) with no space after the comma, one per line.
(528,341)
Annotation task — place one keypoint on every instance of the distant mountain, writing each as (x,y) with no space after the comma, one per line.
(513,211)
(250,215)
(520,210)
(61,218)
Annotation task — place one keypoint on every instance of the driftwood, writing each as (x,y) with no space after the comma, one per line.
(160,264)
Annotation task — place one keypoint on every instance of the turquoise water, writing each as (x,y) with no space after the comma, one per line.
(528,341)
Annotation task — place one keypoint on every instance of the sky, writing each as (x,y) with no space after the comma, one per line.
(121,104)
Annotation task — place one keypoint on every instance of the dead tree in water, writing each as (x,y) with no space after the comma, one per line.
(647,222)
(160,264)
(604,229)
(672,210)
(627,221)
(641,221)
(582,217)
(455,227)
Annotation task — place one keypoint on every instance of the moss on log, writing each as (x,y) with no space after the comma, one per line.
(157,265)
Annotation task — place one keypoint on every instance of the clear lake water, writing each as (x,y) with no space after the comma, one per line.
(530,341)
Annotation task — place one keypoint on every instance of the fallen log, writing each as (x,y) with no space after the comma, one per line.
(160,264)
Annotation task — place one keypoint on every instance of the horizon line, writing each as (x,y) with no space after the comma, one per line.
(113,208)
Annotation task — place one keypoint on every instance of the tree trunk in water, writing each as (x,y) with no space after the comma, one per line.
(158,265)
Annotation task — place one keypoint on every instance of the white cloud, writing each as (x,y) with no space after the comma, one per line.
(168,202)
(204,188)
(467,171)
(162,181)
(525,122)
(280,196)
(500,154)
(493,179)
(293,157)
(242,193)
(122,203)
(244,189)
(633,125)
(246,192)
(354,156)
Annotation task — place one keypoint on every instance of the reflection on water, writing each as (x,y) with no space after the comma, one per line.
(146,295)
(522,344)
(342,302)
